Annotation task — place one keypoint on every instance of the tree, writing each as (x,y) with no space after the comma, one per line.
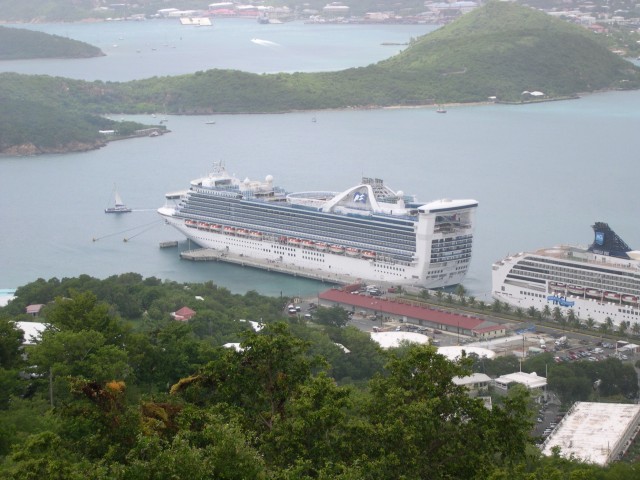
(546,312)
(558,316)
(417,404)
(532,312)
(11,339)
(335,316)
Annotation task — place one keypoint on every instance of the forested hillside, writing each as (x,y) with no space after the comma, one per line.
(17,43)
(495,52)
(118,389)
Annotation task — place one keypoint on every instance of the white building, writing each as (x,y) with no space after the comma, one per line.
(595,432)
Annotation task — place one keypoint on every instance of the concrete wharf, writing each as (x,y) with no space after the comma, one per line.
(213,255)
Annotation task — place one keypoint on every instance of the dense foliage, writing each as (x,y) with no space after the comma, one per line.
(499,50)
(16,43)
(117,389)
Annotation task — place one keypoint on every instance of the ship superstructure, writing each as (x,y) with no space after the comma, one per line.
(598,282)
(368,231)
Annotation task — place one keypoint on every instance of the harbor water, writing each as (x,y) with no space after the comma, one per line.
(542,173)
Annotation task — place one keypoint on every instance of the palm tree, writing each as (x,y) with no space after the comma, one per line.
(472,300)
(558,317)
(635,328)
(590,323)
(571,317)
(439,295)
(482,305)
(609,323)
(519,312)
(425,294)
(546,312)
(532,311)
(622,328)
(461,292)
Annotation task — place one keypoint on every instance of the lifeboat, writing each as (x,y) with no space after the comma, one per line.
(612,296)
(190,223)
(368,254)
(336,249)
(229,230)
(575,290)
(352,252)
(307,244)
(256,235)
(203,225)
(593,293)
(215,228)
(629,299)
(293,241)
(241,232)
(321,246)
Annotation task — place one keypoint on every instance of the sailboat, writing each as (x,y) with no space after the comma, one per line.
(119,206)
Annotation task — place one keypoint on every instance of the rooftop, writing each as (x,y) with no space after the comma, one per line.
(592,432)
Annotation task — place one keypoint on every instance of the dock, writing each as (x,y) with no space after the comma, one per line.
(212,255)
(170,244)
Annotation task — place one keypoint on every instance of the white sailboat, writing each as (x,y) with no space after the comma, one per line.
(119,206)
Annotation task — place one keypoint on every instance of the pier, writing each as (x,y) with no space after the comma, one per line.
(169,244)
(212,255)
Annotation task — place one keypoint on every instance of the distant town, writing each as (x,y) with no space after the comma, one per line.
(621,23)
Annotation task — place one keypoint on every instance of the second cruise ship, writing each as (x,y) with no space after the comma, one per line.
(598,282)
(368,231)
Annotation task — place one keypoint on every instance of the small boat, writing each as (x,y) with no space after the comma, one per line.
(256,235)
(215,228)
(241,232)
(119,206)
(190,223)
(593,293)
(293,241)
(441,110)
(612,296)
(210,122)
(629,299)
(368,254)
(308,244)
(336,249)
(203,225)
(352,252)
(229,230)
(321,246)
(575,290)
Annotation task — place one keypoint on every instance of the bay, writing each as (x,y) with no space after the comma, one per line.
(542,173)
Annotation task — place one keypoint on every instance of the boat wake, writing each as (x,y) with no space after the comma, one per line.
(264,43)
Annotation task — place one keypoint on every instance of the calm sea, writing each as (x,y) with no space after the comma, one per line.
(542,173)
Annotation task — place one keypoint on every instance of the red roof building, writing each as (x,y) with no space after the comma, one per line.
(410,312)
(184,314)
(34,309)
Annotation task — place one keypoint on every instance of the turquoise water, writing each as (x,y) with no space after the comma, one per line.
(542,173)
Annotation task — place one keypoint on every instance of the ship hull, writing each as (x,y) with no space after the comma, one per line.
(276,251)
(511,285)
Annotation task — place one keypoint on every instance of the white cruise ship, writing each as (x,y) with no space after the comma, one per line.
(368,231)
(600,281)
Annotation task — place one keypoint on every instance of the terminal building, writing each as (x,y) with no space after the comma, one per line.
(597,433)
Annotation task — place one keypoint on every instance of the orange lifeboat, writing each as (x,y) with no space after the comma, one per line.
(256,235)
(215,228)
(293,241)
(368,254)
(321,246)
(352,252)
(229,230)
(336,249)
(241,232)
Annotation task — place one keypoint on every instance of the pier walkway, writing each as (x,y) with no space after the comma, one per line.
(212,255)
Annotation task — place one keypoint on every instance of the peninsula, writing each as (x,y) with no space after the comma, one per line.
(500,52)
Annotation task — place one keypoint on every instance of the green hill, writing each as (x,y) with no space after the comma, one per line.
(17,43)
(499,50)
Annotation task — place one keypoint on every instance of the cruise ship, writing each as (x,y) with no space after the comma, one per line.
(368,232)
(599,282)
